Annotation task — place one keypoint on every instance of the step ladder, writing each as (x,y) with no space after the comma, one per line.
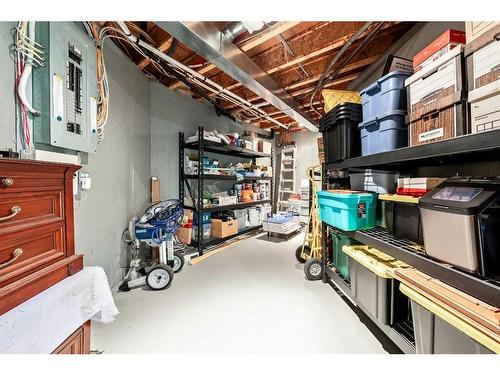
(287,176)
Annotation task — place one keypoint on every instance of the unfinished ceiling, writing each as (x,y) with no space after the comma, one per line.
(291,56)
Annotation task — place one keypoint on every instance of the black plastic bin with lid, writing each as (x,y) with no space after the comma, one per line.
(341,136)
(461,224)
(402,217)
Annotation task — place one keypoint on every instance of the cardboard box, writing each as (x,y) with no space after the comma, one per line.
(449,37)
(264,146)
(184,233)
(155,190)
(221,229)
(250,143)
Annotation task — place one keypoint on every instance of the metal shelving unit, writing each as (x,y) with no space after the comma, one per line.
(469,148)
(202,146)
(457,154)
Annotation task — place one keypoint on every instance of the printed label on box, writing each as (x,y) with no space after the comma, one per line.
(361,210)
(431,134)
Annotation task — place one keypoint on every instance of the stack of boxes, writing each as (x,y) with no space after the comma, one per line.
(437,93)
(483,74)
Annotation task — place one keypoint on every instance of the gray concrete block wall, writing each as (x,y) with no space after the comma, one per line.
(120,169)
(171,113)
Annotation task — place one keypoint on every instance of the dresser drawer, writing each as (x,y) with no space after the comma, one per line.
(21,255)
(21,211)
(10,183)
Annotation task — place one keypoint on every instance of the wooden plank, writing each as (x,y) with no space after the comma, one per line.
(219,249)
(461,322)
(480,312)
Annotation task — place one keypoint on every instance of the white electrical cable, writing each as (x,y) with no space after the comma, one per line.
(23,81)
(196,77)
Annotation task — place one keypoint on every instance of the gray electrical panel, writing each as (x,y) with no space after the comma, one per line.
(65,89)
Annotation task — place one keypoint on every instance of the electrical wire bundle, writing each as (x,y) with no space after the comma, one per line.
(323,80)
(29,55)
(166,65)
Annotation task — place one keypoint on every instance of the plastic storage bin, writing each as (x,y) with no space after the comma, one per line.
(384,96)
(434,335)
(417,186)
(382,182)
(340,259)
(347,209)
(402,217)
(241,217)
(384,133)
(374,287)
(380,219)
(341,136)
(205,217)
(461,224)
(206,229)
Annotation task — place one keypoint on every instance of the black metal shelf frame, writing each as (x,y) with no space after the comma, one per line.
(236,206)
(456,152)
(484,146)
(215,241)
(203,146)
(404,250)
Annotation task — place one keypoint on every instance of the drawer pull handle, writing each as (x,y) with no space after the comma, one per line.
(7,181)
(16,254)
(14,211)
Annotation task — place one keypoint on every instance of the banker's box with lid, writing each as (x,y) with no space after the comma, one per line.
(436,100)
(384,109)
(483,74)
(347,209)
(461,224)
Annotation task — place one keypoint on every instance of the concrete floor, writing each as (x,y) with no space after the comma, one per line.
(250,298)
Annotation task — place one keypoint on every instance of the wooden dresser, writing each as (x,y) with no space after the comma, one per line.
(77,343)
(37,247)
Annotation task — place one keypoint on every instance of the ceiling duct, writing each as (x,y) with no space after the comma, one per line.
(217,47)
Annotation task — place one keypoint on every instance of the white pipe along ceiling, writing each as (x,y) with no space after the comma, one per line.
(217,47)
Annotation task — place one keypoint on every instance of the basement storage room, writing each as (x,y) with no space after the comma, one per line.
(250,187)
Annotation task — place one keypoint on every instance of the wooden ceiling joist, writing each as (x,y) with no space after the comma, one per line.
(313,45)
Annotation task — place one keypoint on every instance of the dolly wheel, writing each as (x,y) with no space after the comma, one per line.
(298,253)
(160,277)
(178,262)
(313,268)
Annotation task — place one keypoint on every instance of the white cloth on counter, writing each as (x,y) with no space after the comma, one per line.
(42,323)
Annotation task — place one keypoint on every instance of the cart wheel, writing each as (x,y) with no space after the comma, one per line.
(178,262)
(159,277)
(298,253)
(313,268)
